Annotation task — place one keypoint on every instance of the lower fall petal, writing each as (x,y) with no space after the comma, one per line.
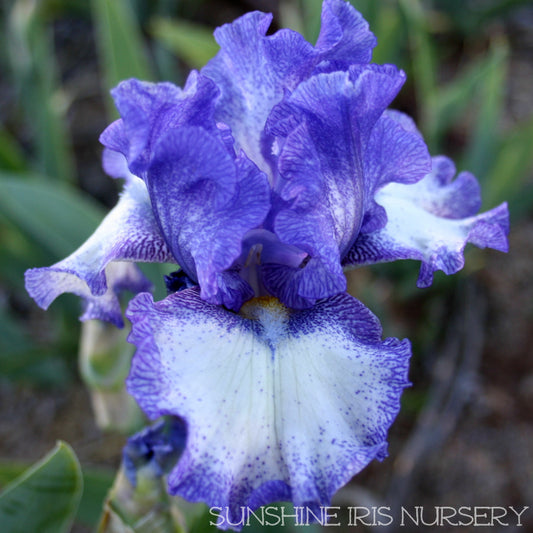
(103,266)
(432,221)
(279,404)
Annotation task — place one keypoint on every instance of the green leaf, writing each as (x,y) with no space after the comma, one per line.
(59,218)
(311,11)
(9,470)
(449,102)
(120,42)
(96,485)
(484,140)
(45,498)
(31,60)
(191,42)
(513,162)
(11,156)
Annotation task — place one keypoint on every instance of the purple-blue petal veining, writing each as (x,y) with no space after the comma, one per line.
(345,38)
(432,221)
(205,202)
(338,146)
(277,167)
(103,266)
(255,430)
(148,110)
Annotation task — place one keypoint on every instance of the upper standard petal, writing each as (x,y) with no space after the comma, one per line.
(345,38)
(148,110)
(329,130)
(253,70)
(205,202)
(327,124)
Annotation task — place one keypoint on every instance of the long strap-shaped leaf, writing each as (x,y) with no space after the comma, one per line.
(46,497)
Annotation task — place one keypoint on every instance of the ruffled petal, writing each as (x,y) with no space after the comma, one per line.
(322,163)
(115,164)
(321,275)
(149,110)
(301,287)
(432,221)
(247,387)
(396,152)
(252,70)
(345,38)
(205,201)
(96,271)
(329,128)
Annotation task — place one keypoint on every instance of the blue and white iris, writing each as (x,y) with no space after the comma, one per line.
(274,169)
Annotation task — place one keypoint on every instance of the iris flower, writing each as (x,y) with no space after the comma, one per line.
(276,167)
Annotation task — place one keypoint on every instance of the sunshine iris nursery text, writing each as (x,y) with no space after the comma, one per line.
(437,516)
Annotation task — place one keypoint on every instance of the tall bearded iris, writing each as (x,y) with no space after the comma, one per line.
(276,167)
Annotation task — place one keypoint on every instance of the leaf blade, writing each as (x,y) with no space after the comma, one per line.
(193,43)
(46,213)
(121,47)
(45,498)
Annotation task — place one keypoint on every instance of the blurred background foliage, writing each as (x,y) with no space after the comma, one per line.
(59,58)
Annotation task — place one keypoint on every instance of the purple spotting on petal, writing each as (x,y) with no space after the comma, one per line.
(255,432)
(272,169)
